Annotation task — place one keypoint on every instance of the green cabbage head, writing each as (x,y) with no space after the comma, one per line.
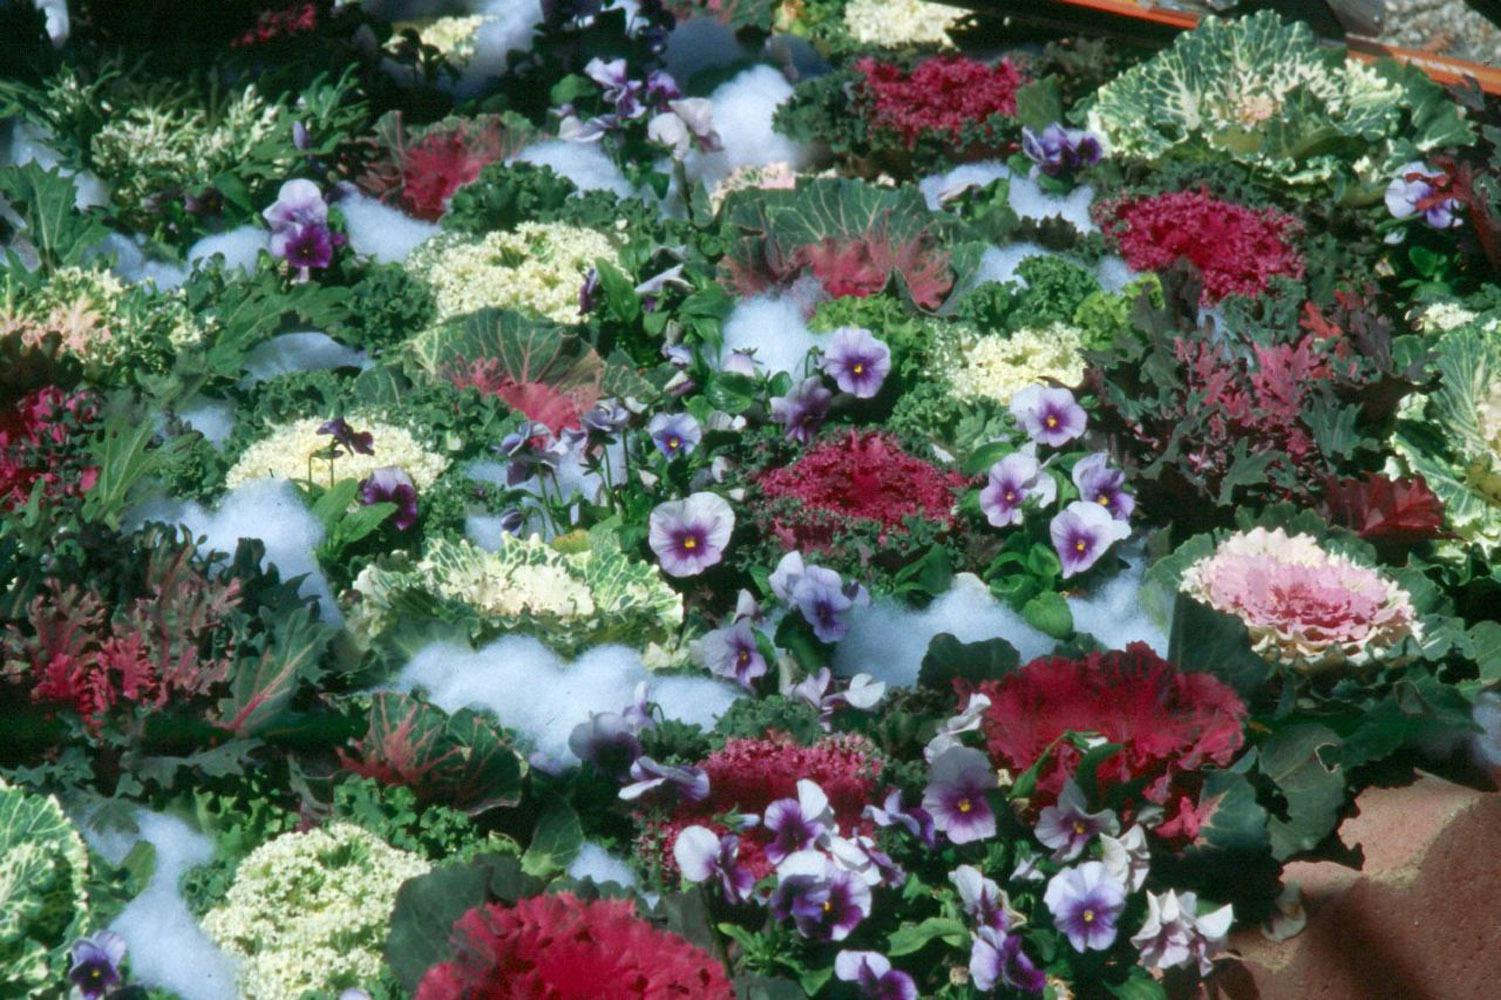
(575,592)
(1266,94)
(44,868)
(1453,438)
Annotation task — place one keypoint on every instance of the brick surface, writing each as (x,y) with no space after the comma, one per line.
(1420,921)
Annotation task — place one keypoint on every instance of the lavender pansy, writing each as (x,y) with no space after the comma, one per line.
(298,203)
(1082,532)
(690,535)
(392,485)
(857,362)
(917,821)
(1099,483)
(675,434)
(798,824)
(956,795)
(872,973)
(95,964)
(1418,189)
(1175,934)
(1068,827)
(949,731)
(1048,415)
(733,653)
(1013,481)
(864,693)
(997,958)
(985,902)
(1086,902)
(690,784)
(826,602)
(802,411)
(824,901)
(703,855)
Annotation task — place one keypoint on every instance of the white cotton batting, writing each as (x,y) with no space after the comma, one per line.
(307,351)
(379,231)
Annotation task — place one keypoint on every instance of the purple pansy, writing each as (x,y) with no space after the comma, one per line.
(802,411)
(608,741)
(872,972)
(690,535)
(1099,483)
(956,795)
(605,420)
(1013,481)
(95,966)
(1081,533)
(703,855)
(392,485)
(589,292)
(1058,150)
(1175,934)
(690,784)
(1049,415)
(824,901)
(298,203)
(820,595)
(996,957)
(1086,902)
(1419,189)
(346,437)
(675,434)
(985,902)
(1068,827)
(798,824)
(917,821)
(857,362)
(733,653)
(304,247)
(530,448)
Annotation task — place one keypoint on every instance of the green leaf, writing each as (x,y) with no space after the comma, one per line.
(122,453)
(1139,985)
(1234,822)
(45,200)
(1048,612)
(751,986)
(909,938)
(1039,104)
(948,660)
(555,842)
(1210,641)
(262,686)
(1482,643)
(425,911)
(1313,790)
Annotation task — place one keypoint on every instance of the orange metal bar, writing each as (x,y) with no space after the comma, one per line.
(1125,8)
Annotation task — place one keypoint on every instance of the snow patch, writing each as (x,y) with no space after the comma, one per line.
(267,509)
(594,862)
(166,948)
(380,231)
(1113,611)
(1000,263)
(1114,274)
(586,164)
(307,351)
(773,327)
(534,692)
(888,639)
(509,28)
(743,110)
(1026,197)
(240,247)
(213,418)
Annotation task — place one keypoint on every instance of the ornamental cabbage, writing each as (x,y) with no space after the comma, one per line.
(1453,438)
(309,911)
(538,267)
(1266,94)
(569,600)
(44,870)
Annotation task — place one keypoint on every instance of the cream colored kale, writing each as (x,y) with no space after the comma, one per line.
(568,599)
(1453,438)
(1265,93)
(44,869)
